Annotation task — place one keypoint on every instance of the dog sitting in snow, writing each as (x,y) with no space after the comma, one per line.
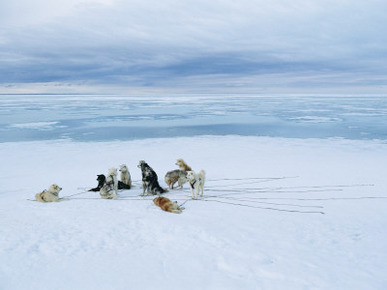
(126,180)
(196,183)
(110,188)
(150,182)
(50,195)
(167,205)
(182,165)
(101,181)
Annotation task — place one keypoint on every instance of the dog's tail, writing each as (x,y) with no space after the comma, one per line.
(163,190)
(122,185)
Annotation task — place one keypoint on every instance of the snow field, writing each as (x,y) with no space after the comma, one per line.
(258,227)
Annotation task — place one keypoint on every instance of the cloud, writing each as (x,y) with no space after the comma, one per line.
(153,43)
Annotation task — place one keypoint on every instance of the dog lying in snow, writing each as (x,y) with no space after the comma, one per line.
(167,205)
(196,182)
(50,195)
(182,165)
(101,181)
(110,188)
(150,182)
(126,180)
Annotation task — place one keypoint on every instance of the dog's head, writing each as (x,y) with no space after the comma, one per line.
(141,163)
(113,171)
(182,165)
(156,200)
(101,178)
(54,188)
(190,175)
(123,168)
(180,162)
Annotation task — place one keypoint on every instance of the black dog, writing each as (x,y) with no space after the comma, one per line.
(122,185)
(101,181)
(150,182)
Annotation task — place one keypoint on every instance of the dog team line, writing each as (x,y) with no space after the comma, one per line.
(108,185)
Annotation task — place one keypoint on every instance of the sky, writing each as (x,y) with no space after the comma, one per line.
(171,46)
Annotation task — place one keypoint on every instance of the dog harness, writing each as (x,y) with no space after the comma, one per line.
(192,184)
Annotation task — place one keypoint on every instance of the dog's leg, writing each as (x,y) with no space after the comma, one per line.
(143,188)
(192,192)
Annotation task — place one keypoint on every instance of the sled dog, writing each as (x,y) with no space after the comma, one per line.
(50,195)
(196,182)
(167,205)
(126,180)
(182,165)
(110,188)
(179,176)
(150,182)
(101,180)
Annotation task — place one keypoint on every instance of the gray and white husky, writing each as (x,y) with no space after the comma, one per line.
(179,176)
(110,189)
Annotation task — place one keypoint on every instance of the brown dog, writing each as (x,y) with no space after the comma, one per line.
(182,165)
(167,205)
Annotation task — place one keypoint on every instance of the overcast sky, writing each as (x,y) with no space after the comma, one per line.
(217,46)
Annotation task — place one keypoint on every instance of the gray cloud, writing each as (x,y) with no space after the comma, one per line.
(158,43)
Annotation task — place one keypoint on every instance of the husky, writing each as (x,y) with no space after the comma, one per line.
(150,182)
(110,188)
(50,195)
(126,180)
(196,182)
(182,165)
(167,205)
(101,181)
(179,176)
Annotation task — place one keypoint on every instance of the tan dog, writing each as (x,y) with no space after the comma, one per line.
(182,165)
(167,205)
(125,176)
(50,195)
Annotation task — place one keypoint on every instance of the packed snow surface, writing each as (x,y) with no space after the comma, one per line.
(277,213)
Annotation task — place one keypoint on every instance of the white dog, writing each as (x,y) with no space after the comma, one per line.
(196,182)
(125,175)
(50,195)
(110,189)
